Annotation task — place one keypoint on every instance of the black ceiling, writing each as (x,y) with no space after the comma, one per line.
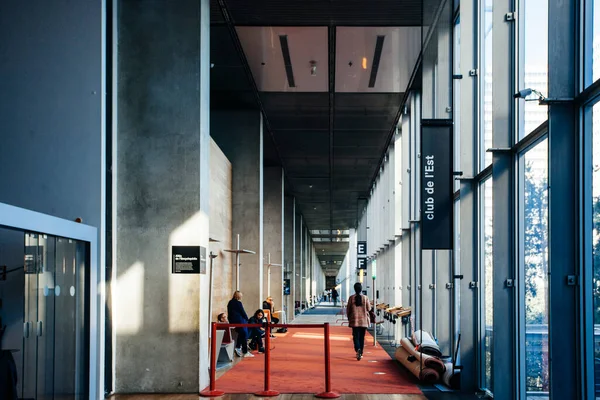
(330,147)
(321,12)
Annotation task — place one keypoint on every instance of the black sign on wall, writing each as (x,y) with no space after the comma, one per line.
(361,263)
(187,260)
(361,248)
(437,197)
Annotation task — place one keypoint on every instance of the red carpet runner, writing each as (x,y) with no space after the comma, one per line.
(297,366)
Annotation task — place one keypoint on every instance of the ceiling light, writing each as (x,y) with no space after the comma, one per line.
(310,186)
(364,62)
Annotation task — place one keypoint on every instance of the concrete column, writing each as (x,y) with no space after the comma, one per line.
(299,260)
(240,135)
(162,163)
(274,233)
(289,252)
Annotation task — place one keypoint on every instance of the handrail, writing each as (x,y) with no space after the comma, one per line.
(268,392)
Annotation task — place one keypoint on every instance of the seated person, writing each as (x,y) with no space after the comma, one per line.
(268,304)
(222,318)
(256,334)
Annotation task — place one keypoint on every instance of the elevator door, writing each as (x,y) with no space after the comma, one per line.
(54,332)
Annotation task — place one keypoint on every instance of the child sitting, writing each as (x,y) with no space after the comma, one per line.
(256,334)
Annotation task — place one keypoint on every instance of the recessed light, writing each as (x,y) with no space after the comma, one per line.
(310,186)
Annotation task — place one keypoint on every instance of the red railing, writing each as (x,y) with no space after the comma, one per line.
(268,392)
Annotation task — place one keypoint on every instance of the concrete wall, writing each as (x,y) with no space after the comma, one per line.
(239,134)
(162,163)
(221,203)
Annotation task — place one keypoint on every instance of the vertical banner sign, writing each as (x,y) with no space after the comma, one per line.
(437,198)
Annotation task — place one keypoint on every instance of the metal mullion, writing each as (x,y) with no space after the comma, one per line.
(506,371)
(590,95)
(469,165)
(586,250)
(563,224)
(531,139)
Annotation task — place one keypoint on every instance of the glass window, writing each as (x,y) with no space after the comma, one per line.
(596,41)
(592,42)
(456,105)
(488,273)
(486,85)
(535,263)
(457,268)
(533,69)
(596,237)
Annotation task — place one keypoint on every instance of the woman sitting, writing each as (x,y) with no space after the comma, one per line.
(256,334)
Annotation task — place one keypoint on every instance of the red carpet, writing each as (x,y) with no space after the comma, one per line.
(297,366)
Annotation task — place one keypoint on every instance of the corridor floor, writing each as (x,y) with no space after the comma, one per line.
(316,317)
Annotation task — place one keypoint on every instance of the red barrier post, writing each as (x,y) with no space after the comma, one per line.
(327,394)
(213,392)
(268,392)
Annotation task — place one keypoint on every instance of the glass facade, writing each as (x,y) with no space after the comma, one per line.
(456,103)
(486,83)
(596,237)
(534,260)
(533,68)
(486,245)
(595,40)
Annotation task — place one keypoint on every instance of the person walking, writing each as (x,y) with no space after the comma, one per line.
(237,315)
(335,295)
(358,308)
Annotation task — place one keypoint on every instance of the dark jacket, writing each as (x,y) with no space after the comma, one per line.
(267,306)
(254,320)
(236,312)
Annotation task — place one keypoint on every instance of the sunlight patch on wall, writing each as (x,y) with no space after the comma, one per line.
(129,288)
